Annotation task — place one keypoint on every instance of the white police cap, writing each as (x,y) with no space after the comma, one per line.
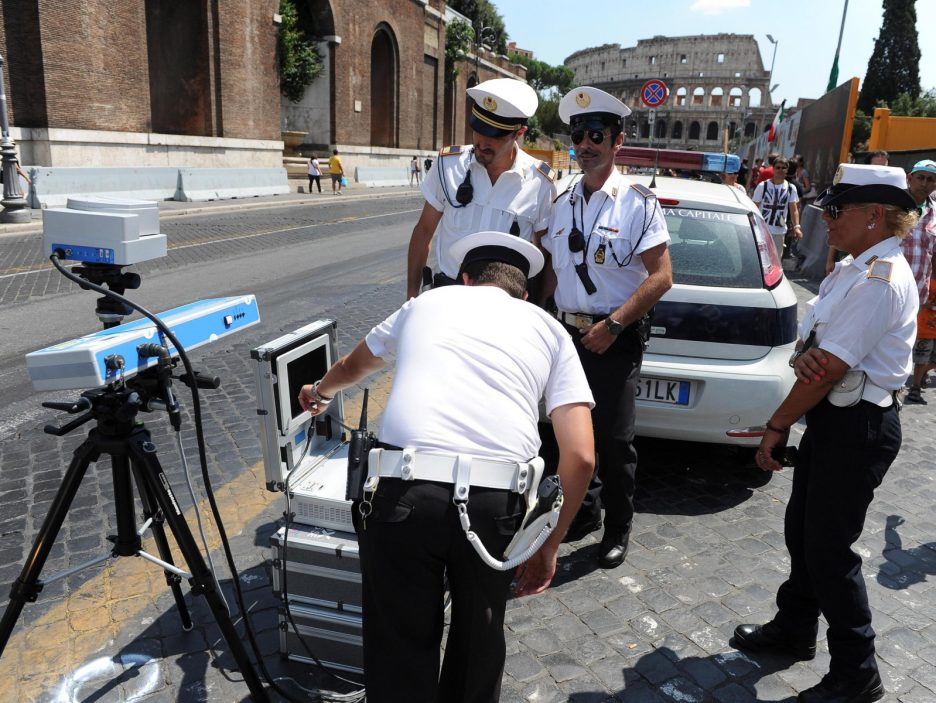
(584,100)
(498,246)
(861,183)
(502,106)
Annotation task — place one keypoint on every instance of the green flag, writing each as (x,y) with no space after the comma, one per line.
(833,75)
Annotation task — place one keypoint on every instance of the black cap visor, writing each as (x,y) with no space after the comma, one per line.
(845,193)
(491,125)
(493,252)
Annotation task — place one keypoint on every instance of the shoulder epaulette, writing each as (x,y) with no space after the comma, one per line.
(545,170)
(643,190)
(451,150)
(881,270)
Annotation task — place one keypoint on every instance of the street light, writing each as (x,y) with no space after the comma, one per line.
(770,79)
(479,44)
(14,204)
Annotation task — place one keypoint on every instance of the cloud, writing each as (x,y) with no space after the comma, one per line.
(716,7)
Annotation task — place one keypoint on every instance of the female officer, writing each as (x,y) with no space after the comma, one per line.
(858,335)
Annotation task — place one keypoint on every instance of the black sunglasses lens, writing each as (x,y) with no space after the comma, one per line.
(596,136)
(576,240)
(832,211)
(577,136)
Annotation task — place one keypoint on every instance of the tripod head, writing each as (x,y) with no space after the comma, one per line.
(110,312)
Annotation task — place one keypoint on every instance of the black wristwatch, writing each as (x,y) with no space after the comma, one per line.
(614,327)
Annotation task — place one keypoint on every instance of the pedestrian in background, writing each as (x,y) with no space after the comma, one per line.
(315,174)
(414,172)
(336,170)
(777,200)
(879,158)
(852,356)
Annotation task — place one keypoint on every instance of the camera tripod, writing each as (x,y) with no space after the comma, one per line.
(119,434)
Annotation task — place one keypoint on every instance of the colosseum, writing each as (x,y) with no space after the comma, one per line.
(717,82)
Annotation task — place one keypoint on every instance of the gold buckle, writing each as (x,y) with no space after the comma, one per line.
(582,322)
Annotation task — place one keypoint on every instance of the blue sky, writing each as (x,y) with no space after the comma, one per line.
(807,32)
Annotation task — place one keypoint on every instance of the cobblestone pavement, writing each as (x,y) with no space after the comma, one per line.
(707,553)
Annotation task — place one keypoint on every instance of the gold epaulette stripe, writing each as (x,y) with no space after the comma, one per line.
(546,170)
(643,190)
(506,126)
(881,270)
(450,150)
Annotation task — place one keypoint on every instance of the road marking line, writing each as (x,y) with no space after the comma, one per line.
(36,268)
(40,658)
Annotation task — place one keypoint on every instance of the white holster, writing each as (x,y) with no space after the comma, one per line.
(464,471)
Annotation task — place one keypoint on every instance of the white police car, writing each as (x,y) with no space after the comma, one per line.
(717,363)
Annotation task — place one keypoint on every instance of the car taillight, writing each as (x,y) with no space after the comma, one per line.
(668,202)
(769,258)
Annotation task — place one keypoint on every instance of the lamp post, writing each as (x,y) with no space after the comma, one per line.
(14,203)
(479,44)
(775,42)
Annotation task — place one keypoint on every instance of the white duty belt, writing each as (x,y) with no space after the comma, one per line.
(464,471)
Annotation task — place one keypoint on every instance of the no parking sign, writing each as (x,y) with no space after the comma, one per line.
(654,93)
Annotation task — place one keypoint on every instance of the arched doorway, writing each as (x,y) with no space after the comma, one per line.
(383,92)
(677,130)
(711,132)
(694,130)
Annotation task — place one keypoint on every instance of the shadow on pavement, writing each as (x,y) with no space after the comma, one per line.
(904,567)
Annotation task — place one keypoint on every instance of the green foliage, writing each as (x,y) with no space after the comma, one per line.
(861,130)
(923,106)
(299,61)
(483,13)
(546,78)
(894,66)
(458,39)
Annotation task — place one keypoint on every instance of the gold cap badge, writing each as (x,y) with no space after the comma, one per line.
(583,99)
(490,104)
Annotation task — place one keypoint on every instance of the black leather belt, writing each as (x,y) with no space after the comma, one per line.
(579,320)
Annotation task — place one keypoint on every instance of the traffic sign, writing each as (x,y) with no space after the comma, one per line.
(654,93)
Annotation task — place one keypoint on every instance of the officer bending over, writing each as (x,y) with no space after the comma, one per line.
(472,362)
(491,185)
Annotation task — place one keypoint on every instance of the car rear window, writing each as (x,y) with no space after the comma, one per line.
(711,248)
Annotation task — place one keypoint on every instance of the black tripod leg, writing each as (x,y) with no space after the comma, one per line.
(152,511)
(143,455)
(26,588)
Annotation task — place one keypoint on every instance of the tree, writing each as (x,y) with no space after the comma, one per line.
(894,66)
(458,39)
(482,13)
(299,61)
(546,78)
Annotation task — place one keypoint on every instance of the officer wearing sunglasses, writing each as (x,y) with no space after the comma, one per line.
(607,242)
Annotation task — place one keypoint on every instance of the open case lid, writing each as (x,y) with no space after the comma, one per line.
(288,433)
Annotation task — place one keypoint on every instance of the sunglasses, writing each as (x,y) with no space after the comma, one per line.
(595,136)
(836,211)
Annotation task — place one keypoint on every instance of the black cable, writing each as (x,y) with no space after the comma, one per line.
(465,186)
(202,457)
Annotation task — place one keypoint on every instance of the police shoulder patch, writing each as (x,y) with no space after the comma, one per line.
(643,190)
(545,170)
(880,270)
(451,150)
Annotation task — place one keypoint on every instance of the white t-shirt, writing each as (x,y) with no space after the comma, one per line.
(774,202)
(314,168)
(611,223)
(471,366)
(866,314)
(521,194)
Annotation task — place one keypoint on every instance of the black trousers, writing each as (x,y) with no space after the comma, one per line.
(408,544)
(317,180)
(612,377)
(843,458)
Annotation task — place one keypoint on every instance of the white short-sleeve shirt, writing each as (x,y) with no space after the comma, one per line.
(524,193)
(866,313)
(471,366)
(618,224)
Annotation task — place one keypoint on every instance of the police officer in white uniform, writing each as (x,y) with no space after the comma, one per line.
(608,244)
(498,355)
(854,353)
(491,185)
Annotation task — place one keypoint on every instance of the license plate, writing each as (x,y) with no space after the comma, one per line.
(663,390)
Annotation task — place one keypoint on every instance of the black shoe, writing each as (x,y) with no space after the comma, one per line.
(580,530)
(770,638)
(838,689)
(613,548)
(915,397)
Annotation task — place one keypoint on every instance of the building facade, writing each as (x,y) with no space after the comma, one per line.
(717,84)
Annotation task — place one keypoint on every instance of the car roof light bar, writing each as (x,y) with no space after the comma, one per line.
(677,159)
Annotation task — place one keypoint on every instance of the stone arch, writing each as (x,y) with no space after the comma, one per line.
(698,96)
(711,132)
(754,97)
(695,130)
(677,130)
(659,129)
(717,97)
(681,97)
(384,87)
(644,130)
(736,97)
(750,129)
